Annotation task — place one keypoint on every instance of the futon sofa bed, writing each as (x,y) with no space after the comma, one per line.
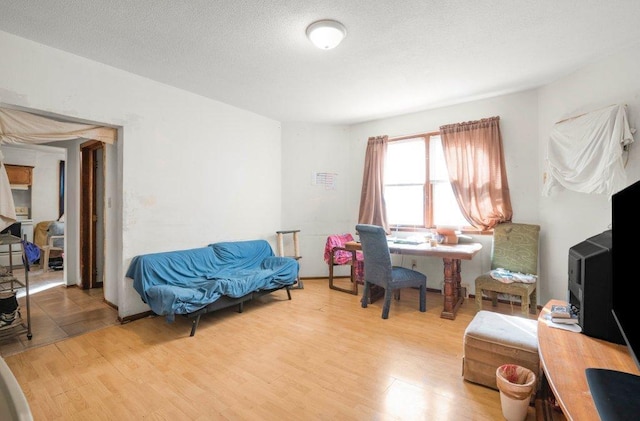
(197,281)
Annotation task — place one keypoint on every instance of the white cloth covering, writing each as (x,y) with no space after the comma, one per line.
(507,277)
(585,153)
(7,207)
(23,127)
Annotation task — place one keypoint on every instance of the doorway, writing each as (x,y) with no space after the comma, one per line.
(92,214)
(92,252)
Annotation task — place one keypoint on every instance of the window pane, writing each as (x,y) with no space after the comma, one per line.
(405,205)
(445,206)
(405,162)
(437,165)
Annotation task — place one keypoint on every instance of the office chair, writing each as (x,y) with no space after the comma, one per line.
(378,269)
(514,249)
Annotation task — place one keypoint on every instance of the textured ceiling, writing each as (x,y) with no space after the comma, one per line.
(398,56)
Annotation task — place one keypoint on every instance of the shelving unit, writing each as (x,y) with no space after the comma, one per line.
(9,283)
(296,248)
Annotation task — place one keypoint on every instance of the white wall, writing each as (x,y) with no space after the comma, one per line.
(526,119)
(313,209)
(322,213)
(569,217)
(191,171)
(42,197)
(44,190)
(518,113)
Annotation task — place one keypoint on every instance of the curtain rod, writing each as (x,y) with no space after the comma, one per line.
(413,136)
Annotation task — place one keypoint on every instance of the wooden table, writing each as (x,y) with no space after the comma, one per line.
(565,355)
(451,254)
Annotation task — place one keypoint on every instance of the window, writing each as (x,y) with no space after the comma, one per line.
(413,199)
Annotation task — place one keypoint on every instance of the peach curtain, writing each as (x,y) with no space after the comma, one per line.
(475,162)
(372,205)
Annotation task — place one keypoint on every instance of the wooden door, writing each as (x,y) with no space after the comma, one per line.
(92,154)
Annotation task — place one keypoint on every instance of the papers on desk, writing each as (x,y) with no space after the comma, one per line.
(570,327)
(412,240)
(408,241)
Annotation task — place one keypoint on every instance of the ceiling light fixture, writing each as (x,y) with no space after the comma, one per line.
(326,34)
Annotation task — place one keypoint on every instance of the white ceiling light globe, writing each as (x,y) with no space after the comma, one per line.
(326,34)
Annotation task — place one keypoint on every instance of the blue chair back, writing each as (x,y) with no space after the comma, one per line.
(377,259)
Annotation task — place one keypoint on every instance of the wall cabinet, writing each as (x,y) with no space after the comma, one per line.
(21,180)
(21,175)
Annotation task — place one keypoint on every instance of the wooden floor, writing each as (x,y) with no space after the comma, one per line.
(319,356)
(57,312)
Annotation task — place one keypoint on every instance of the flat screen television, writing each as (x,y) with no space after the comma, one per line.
(617,394)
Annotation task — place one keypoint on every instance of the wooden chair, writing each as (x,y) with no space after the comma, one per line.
(335,254)
(515,248)
(378,269)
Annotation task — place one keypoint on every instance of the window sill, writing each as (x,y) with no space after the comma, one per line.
(465,230)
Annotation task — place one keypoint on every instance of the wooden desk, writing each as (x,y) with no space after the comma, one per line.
(451,255)
(565,355)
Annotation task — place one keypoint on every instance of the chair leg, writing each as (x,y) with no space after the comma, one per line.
(478,298)
(533,303)
(354,285)
(365,295)
(354,281)
(330,276)
(423,298)
(387,303)
(45,260)
(494,298)
(525,304)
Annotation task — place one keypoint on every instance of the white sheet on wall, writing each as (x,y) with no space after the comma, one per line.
(585,153)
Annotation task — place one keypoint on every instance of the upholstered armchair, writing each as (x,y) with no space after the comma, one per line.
(49,236)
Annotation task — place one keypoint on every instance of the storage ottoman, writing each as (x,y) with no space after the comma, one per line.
(493,339)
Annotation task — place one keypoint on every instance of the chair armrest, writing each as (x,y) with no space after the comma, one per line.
(54,237)
(333,254)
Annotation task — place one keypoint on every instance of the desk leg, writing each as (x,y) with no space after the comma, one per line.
(452,288)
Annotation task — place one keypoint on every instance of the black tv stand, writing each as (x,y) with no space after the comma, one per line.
(616,394)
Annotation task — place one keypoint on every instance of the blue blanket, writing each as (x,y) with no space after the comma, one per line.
(181,282)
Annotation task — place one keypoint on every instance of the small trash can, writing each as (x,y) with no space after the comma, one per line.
(516,385)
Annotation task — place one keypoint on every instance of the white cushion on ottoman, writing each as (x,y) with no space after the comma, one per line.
(493,339)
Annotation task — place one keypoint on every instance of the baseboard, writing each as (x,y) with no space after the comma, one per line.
(133,317)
